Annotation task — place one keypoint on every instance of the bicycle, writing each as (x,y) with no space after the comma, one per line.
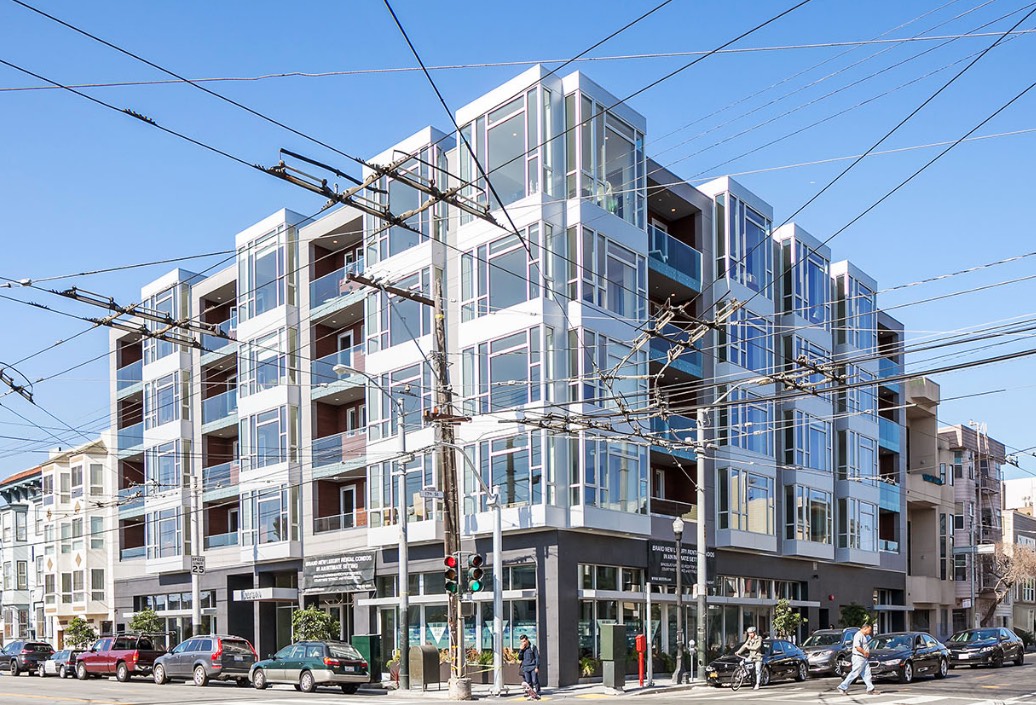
(743,674)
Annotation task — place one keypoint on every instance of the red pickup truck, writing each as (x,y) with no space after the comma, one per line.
(123,656)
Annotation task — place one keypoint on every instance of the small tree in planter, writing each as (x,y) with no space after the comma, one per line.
(785,621)
(314,625)
(146,621)
(79,634)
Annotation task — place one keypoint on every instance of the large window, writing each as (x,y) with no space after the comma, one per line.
(398,197)
(392,319)
(167,399)
(747,425)
(268,361)
(604,159)
(381,502)
(745,501)
(808,515)
(164,533)
(503,373)
(800,354)
(413,385)
(624,385)
(170,303)
(266,273)
(512,466)
(502,273)
(747,341)
(808,441)
(167,466)
(269,516)
(615,476)
(743,244)
(857,457)
(807,287)
(857,525)
(614,277)
(857,318)
(270,437)
(857,399)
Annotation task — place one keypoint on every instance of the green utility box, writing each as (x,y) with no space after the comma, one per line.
(613,655)
(369,646)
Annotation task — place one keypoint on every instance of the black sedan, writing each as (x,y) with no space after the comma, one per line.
(829,651)
(781,659)
(905,655)
(987,647)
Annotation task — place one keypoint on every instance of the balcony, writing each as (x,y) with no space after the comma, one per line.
(674,259)
(221,476)
(335,291)
(127,554)
(689,361)
(325,381)
(888,369)
(676,429)
(338,523)
(131,501)
(341,448)
(890,496)
(219,411)
(221,540)
(131,439)
(888,434)
(888,546)
(129,379)
(673,508)
(215,346)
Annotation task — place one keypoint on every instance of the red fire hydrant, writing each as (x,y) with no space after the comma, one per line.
(641,646)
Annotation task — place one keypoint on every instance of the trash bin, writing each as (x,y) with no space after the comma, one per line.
(369,646)
(424,666)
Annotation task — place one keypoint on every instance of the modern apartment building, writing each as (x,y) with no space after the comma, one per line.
(75,521)
(975,460)
(21,602)
(272,456)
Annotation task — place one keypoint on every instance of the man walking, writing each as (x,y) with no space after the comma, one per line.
(529,662)
(753,646)
(861,663)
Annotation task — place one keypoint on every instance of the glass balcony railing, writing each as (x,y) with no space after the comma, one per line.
(334,523)
(135,552)
(690,360)
(888,546)
(681,257)
(323,369)
(131,498)
(131,436)
(679,429)
(219,407)
(331,286)
(338,448)
(129,375)
(888,434)
(212,343)
(218,476)
(221,540)
(889,368)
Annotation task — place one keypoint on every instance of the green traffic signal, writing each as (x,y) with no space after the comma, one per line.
(475,573)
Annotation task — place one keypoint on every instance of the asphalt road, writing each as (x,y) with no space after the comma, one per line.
(1007,686)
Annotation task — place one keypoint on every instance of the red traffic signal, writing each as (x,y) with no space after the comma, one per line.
(451,573)
(450,561)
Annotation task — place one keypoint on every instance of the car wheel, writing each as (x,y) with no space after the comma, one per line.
(259,679)
(764,676)
(122,673)
(306,682)
(841,668)
(802,672)
(159,675)
(39,671)
(998,660)
(63,671)
(14,668)
(351,688)
(906,673)
(201,678)
(1021,659)
(81,673)
(243,683)
(943,669)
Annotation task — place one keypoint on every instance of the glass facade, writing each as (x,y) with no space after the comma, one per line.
(267,273)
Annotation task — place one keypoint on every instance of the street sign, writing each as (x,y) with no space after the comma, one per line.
(965,604)
(198,565)
(985,548)
(431,493)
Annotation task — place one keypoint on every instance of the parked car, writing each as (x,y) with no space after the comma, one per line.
(204,658)
(830,651)
(905,655)
(21,655)
(61,664)
(988,647)
(123,656)
(309,664)
(781,659)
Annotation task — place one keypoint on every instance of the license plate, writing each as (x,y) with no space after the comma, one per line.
(713,675)
(964,657)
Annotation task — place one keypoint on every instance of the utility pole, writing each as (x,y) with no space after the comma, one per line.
(197,557)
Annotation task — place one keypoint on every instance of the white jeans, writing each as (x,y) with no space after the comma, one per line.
(860,667)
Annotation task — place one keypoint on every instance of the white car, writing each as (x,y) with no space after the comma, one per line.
(62,664)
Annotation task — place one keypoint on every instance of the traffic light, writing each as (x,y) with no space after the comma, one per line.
(476,583)
(451,574)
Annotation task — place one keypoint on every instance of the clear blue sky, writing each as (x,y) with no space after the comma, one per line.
(84,188)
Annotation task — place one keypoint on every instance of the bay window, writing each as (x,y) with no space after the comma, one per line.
(268,361)
(164,533)
(270,437)
(512,466)
(747,341)
(167,399)
(270,515)
(502,273)
(266,273)
(173,303)
(502,374)
(745,252)
(167,466)
(808,515)
(748,424)
(381,501)
(598,353)
(808,441)
(398,197)
(857,399)
(614,476)
(857,457)
(857,525)
(392,320)
(745,501)
(807,288)
(856,314)
(413,385)
(613,277)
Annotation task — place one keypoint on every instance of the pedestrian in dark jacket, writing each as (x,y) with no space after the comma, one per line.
(529,662)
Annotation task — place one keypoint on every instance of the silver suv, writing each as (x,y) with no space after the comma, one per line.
(204,658)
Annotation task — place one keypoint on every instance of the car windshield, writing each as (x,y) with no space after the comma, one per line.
(820,639)
(234,646)
(894,641)
(973,635)
(345,651)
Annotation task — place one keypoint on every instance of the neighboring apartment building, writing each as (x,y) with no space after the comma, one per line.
(975,461)
(282,444)
(76,520)
(1019,494)
(1020,530)
(930,515)
(21,602)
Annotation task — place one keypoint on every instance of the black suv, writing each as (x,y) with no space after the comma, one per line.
(21,655)
(204,658)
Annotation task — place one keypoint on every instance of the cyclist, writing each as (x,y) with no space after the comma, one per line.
(753,647)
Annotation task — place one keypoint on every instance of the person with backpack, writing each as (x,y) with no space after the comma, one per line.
(529,663)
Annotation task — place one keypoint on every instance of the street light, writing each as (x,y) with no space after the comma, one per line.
(678,534)
(403,622)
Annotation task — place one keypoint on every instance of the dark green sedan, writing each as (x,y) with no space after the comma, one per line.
(310,664)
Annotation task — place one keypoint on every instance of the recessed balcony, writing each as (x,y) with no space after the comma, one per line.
(674,260)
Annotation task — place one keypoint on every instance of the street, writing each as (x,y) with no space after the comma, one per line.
(962,687)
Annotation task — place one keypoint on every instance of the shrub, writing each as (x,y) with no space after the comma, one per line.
(146,621)
(588,666)
(314,625)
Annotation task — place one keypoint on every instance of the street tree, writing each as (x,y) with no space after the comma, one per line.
(79,633)
(1008,565)
(147,622)
(314,625)
(786,621)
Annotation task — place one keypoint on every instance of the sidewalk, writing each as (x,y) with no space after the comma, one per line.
(584,691)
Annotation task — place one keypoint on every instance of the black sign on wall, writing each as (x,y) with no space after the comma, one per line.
(345,572)
(661,563)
